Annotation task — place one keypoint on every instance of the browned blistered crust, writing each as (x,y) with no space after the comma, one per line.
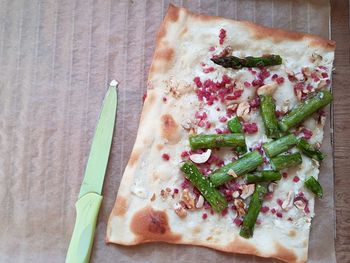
(169,129)
(284,254)
(292,233)
(151,225)
(149,102)
(120,207)
(134,157)
(260,32)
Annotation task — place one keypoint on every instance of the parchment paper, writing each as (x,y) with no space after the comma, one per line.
(56,58)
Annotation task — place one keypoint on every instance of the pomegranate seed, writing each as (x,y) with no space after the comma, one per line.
(238,93)
(269,196)
(225,211)
(254,103)
(274,76)
(280,80)
(290,219)
(206,205)
(185,184)
(247,84)
(208,70)
(201,123)
(218,131)
(250,127)
(165,156)
(279,214)
(296,179)
(212,48)
(300,194)
(222,119)
(291,78)
(307,133)
(279,202)
(207,125)
(164,99)
(222,36)
(285,175)
(257,83)
(198,82)
(205,216)
(306,209)
(176,191)
(237,221)
(184,154)
(264,209)
(273,211)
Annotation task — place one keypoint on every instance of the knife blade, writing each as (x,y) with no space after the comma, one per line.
(90,198)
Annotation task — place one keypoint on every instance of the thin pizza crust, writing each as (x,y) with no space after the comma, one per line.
(144,208)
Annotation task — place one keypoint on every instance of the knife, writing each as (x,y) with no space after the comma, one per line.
(90,198)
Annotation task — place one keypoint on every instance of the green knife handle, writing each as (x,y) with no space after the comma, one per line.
(87,208)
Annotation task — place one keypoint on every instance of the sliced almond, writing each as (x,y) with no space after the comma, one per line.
(231,106)
(193,131)
(271,187)
(317,146)
(243,110)
(201,157)
(188,199)
(267,89)
(235,194)
(285,108)
(288,202)
(247,190)
(187,124)
(299,94)
(306,71)
(299,76)
(316,58)
(200,202)
(289,72)
(232,173)
(180,210)
(240,206)
(300,204)
(322,85)
(163,194)
(322,120)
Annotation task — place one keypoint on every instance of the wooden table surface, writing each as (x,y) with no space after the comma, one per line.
(341,34)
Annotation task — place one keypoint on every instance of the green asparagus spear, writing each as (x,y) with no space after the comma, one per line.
(216,140)
(247,163)
(314,186)
(255,204)
(267,109)
(305,109)
(285,160)
(280,145)
(249,62)
(209,192)
(263,176)
(310,150)
(235,125)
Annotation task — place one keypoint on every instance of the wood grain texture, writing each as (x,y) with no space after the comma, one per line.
(340,33)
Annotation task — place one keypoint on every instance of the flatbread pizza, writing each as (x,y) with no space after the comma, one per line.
(227,152)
